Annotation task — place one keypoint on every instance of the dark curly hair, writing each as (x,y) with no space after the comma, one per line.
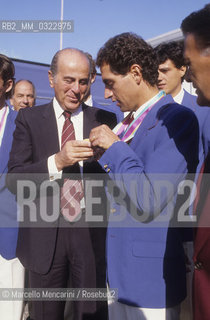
(7,72)
(173,51)
(126,49)
(198,23)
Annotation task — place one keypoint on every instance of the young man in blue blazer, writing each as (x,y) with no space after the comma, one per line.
(147,158)
(172,72)
(11,270)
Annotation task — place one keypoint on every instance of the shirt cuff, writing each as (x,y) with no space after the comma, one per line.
(54,174)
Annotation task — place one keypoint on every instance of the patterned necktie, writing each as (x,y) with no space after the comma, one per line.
(72,190)
(98,152)
(127,123)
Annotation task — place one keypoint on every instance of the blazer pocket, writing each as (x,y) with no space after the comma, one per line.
(148,249)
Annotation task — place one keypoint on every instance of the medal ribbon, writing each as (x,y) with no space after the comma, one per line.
(129,130)
(3,117)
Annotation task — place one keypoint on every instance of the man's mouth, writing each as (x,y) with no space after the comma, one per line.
(161,85)
(73,99)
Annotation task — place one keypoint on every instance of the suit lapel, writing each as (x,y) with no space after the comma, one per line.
(50,130)
(89,120)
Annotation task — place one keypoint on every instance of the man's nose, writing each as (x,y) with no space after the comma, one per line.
(25,100)
(160,76)
(108,93)
(76,88)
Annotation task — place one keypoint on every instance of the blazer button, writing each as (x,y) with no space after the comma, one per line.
(198,265)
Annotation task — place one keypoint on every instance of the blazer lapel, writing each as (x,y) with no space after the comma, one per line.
(189,101)
(7,141)
(151,119)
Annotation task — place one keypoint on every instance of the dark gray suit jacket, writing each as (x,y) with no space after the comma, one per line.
(35,139)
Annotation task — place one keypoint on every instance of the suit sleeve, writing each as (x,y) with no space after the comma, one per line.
(21,165)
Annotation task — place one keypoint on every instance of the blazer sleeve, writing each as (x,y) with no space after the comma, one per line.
(150,184)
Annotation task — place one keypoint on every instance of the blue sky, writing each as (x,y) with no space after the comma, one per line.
(95,21)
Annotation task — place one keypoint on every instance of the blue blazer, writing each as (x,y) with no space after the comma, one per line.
(145,258)
(8,206)
(203,116)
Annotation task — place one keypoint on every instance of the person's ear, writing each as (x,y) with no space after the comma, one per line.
(93,78)
(183,70)
(8,85)
(51,78)
(135,71)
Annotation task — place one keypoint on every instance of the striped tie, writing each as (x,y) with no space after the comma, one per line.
(72,190)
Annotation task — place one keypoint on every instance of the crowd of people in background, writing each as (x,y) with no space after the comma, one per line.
(94,197)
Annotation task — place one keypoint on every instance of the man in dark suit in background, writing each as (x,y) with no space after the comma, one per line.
(53,253)
(197,53)
(23,95)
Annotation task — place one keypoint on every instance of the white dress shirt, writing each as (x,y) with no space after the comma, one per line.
(77,120)
(179,97)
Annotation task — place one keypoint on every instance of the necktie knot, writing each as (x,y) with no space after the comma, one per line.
(67,114)
(130,118)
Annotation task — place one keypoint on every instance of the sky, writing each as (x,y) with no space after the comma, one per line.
(95,21)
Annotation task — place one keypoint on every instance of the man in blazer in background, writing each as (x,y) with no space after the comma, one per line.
(11,270)
(57,250)
(145,258)
(172,72)
(196,28)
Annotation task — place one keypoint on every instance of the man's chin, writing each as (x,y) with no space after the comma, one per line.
(71,106)
(162,87)
(122,108)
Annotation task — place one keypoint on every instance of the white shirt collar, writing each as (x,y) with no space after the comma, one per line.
(139,110)
(59,110)
(89,101)
(179,97)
